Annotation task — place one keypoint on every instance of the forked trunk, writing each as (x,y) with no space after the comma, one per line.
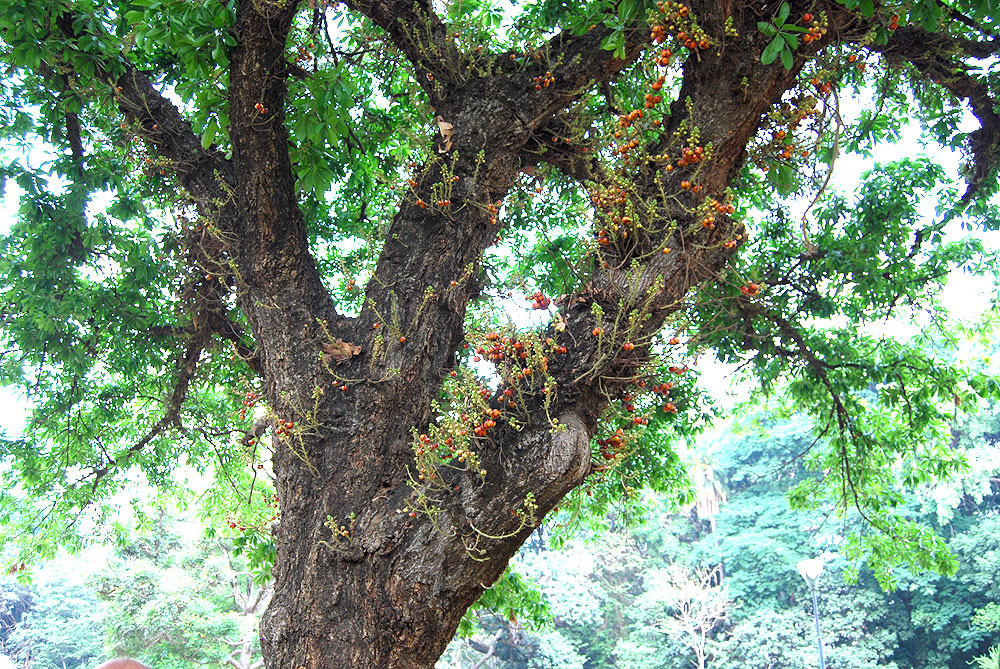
(378,558)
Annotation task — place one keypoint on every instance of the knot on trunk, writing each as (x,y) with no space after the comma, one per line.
(568,460)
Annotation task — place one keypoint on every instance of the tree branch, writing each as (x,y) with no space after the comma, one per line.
(418,32)
(205,175)
(187,365)
(488,650)
(933,56)
(272,251)
(581,63)
(230,331)
(638,284)
(637,273)
(961,18)
(73,133)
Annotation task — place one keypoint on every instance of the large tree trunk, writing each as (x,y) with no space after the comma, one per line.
(375,567)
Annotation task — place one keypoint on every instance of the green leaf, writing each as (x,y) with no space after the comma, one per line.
(208,137)
(627,10)
(786,58)
(783,13)
(772,50)
(613,42)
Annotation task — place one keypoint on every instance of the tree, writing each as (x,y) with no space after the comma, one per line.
(177,603)
(697,603)
(62,629)
(251,600)
(315,215)
(16,601)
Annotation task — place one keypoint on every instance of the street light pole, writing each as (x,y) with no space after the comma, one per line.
(810,570)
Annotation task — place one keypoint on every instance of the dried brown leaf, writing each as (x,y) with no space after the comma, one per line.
(446,130)
(341,350)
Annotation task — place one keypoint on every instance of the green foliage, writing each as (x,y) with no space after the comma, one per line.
(783,37)
(988,617)
(512,597)
(882,405)
(171,599)
(166,625)
(15,601)
(989,661)
(646,648)
(63,628)
(768,638)
(865,7)
(100,298)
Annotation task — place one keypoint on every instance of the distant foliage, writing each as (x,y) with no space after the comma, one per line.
(62,630)
(609,600)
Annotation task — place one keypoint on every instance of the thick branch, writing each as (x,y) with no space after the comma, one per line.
(206,175)
(257,94)
(933,56)
(582,64)
(416,30)
(73,137)
(711,96)
(279,286)
(956,15)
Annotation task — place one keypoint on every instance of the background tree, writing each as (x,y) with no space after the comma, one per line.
(251,599)
(305,218)
(62,630)
(988,618)
(163,596)
(15,601)
(696,603)
(180,602)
